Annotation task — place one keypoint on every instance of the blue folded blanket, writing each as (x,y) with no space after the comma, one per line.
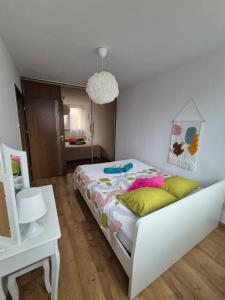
(119,169)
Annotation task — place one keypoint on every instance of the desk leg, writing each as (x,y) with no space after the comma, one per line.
(55,259)
(13,288)
(47,275)
(2,293)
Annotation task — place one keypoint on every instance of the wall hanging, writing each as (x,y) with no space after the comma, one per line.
(184,146)
(102,87)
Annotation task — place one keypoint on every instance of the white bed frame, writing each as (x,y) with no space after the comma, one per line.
(163,237)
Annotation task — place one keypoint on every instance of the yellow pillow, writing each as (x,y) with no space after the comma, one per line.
(179,186)
(146,200)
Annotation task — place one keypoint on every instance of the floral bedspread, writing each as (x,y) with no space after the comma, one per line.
(101,194)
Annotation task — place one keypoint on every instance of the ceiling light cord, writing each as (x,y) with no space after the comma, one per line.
(102,63)
(102,52)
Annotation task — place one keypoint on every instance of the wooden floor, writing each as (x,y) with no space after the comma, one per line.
(90,270)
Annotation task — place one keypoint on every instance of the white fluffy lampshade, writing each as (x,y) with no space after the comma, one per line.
(102,88)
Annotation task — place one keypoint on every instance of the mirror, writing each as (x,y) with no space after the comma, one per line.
(89,129)
(14,176)
(104,130)
(9,225)
(77,120)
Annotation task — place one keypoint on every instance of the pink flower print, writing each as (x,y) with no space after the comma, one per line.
(86,180)
(98,198)
(115,226)
(110,195)
(101,200)
(78,169)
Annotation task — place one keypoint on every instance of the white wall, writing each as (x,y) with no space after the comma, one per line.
(145,112)
(9,129)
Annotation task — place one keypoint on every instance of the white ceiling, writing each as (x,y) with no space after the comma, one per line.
(56,39)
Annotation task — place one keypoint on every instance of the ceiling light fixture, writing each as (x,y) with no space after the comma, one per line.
(102,87)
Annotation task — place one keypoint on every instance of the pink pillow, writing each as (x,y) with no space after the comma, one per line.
(156,181)
(72,140)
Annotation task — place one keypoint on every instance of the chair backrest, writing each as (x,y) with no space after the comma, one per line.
(9,224)
(9,156)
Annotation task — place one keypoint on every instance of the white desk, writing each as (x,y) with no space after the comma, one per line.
(16,257)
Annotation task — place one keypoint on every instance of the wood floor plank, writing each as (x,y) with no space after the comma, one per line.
(221,259)
(159,290)
(90,281)
(207,267)
(109,280)
(211,247)
(180,290)
(193,281)
(90,270)
(69,272)
(219,236)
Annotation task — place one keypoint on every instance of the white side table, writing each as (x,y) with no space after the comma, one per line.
(16,257)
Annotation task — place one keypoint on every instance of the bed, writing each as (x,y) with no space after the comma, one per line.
(79,152)
(147,246)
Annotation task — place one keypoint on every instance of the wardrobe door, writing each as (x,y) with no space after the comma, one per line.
(104,125)
(43,107)
(77,126)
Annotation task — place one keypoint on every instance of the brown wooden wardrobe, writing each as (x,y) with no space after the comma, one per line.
(45,133)
(41,116)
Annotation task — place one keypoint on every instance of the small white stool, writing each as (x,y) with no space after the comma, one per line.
(12,284)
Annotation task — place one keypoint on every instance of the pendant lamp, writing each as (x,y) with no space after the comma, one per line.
(102,87)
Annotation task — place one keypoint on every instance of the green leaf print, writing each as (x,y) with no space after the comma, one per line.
(104,179)
(104,220)
(88,194)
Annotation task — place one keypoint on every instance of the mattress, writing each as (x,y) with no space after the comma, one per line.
(79,152)
(68,145)
(100,190)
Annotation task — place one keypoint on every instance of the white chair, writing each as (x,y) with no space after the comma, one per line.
(6,155)
(12,284)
